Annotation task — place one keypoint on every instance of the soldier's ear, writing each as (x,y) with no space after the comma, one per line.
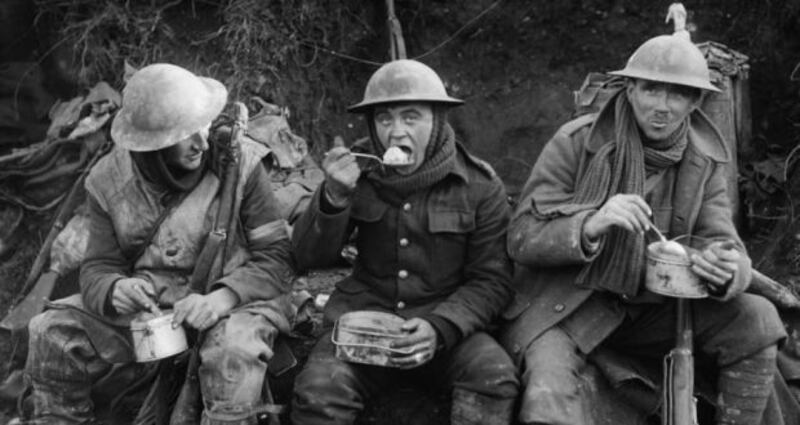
(698,101)
(630,85)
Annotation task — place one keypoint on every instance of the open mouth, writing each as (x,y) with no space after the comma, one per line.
(397,156)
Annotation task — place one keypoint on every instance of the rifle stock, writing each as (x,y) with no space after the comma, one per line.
(188,407)
(679,402)
(38,287)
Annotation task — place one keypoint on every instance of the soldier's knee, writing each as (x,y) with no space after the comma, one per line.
(756,307)
(324,378)
(249,339)
(47,325)
(489,370)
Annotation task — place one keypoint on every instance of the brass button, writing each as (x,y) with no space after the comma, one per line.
(402,274)
(406,207)
(559,308)
(401,305)
(404,242)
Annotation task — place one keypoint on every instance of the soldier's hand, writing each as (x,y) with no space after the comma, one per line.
(630,212)
(133,294)
(341,174)
(418,346)
(203,311)
(718,263)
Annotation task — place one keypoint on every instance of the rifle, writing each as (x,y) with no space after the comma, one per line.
(680,406)
(210,263)
(39,286)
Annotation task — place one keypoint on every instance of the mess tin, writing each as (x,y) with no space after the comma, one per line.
(155,339)
(669,271)
(366,336)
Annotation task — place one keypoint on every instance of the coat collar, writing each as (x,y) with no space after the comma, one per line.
(704,136)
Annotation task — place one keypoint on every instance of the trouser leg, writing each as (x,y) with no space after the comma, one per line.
(744,388)
(62,365)
(739,335)
(331,391)
(550,392)
(233,367)
(483,379)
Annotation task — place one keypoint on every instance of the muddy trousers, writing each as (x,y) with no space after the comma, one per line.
(69,351)
(740,336)
(478,373)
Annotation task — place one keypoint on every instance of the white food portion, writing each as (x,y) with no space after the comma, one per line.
(674,249)
(396,156)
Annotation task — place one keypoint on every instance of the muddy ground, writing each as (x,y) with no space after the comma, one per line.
(516,64)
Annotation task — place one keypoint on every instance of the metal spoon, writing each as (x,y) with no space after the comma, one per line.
(367,155)
(658,233)
(376,158)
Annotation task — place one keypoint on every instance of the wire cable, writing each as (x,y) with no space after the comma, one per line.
(460,30)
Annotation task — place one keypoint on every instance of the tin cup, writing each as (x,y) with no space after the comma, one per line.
(670,274)
(155,339)
(366,336)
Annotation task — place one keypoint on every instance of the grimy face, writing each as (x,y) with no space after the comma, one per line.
(660,108)
(407,126)
(188,153)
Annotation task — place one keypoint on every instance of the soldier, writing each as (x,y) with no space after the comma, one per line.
(431,249)
(649,156)
(152,202)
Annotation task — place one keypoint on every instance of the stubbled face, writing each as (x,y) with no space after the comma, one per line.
(407,126)
(660,108)
(188,153)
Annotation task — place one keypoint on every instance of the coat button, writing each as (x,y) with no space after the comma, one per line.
(171,252)
(559,308)
(401,305)
(406,207)
(404,242)
(402,274)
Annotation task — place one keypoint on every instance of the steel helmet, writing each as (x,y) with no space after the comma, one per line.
(163,104)
(669,59)
(404,80)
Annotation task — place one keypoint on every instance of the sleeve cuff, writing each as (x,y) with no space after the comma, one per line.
(326,205)
(108,305)
(591,247)
(101,295)
(447,333)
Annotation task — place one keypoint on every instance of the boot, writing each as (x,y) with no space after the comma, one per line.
(470,408)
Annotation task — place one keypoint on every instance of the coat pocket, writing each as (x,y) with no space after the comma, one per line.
(517,305)
(451,221)
(351,286)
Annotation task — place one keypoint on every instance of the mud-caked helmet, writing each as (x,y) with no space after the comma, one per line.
(404,80)
(669,59)
(163,104)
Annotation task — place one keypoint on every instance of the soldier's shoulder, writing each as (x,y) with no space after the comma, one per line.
(577,124)
(482,167)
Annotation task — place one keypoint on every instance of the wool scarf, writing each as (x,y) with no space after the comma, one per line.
(155,170)
(440,158)
(618,167)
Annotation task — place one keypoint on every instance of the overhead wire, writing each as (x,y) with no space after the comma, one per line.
(460,30)
(428,53)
